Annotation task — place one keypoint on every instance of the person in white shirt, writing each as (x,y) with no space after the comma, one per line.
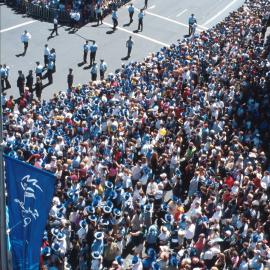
(26,36)
(46,55)
(152,188)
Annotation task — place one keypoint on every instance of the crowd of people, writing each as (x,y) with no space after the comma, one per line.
(164,164)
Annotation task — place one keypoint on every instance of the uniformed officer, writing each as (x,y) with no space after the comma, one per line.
(46,55)
(94,72)
(99,14)
(52,57)
(4,72)
(70,78)
(85,51)
(30,81)
(55,27)
(140,17)
(131,13)
(93,51)
(50,69)
(20,82)
(39,69)
(191,21)
(114,19)
(26,36)
(129,45)
(102,69)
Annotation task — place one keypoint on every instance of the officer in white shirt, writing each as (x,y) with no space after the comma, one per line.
(130,12)
(102,69)
(55,27)
(25,39)
(114,19)
(46,55)
(140,17)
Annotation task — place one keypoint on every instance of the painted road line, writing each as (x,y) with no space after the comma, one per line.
(220,12)
(139,35)
(181,13)
(152,7)
(16,26)
(199,27)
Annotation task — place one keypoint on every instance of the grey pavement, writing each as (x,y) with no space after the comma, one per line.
(164,23)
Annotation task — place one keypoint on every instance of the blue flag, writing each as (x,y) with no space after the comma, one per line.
(30,191)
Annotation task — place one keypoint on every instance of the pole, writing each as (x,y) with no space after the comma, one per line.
(3,229)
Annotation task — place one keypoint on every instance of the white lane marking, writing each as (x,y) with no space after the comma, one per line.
(220,12)
(139,35)
(16,26)
(199,27)
(181,13)
(152,7)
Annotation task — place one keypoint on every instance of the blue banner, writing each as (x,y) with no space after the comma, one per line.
(30,191)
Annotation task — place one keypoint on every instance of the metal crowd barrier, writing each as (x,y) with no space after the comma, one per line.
(48,13)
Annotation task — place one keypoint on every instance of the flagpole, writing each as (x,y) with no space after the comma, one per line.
(3,229)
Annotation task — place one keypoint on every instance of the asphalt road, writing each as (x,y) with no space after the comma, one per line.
(164,23)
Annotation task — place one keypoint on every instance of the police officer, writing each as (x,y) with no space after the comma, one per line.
(191,21)
(85,51)
(46,55)
(39,69)
(129,45)
(55,27)
(52,57)
(131,13)
(94,72)
(70,78)
(30,81)
(26,36)
(50,69)
(20,82)
(114,19)
(140,17)
(4,72)
(102,69)
(93,51)
(99,14)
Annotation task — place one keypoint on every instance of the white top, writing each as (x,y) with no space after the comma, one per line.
(25,37)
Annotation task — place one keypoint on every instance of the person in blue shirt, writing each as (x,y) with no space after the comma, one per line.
(191,21)
(94,71)
(131,13)
(114,19)
(140,23)
(85,51)
(93,51)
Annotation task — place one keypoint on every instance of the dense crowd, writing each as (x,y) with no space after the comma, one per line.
(163,165)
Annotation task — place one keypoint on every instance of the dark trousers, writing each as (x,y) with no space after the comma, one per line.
(25,47)
(129,51)
(50,76)
(46,60)
(39,75)
(140,25)
(131,17)
(101,73)
(55,30)
(99,18)
(85,56)
(189,29)
(115,23)
(92,58)
(5,83)
(21,89)
(145,3)
(94,76)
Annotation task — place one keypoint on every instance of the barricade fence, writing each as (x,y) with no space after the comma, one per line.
(43,12)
